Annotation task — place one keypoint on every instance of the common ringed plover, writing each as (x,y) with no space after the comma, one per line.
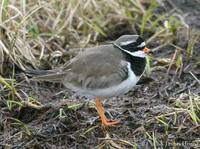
(103,71)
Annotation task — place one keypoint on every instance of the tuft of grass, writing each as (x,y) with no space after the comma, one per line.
(148,66)
(36,29)
(189,107)
(194,103)
(147,16)
(173,24)
(23,126)
(11,87)
(190,46)
(12,104)
(179,63)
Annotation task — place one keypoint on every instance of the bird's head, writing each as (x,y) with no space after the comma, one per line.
(132,44)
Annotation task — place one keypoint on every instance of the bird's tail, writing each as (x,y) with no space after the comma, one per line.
(33,73)
(46,75)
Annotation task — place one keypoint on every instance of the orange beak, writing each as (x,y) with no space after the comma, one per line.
(146,50)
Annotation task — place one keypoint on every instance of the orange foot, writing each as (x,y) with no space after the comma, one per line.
(101,112)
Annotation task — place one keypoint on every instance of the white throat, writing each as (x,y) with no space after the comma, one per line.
(138,54)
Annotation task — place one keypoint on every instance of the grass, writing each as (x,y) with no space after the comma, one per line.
(46,34)
(177,120)
(76,19)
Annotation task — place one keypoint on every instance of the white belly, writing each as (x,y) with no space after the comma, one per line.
(116,90)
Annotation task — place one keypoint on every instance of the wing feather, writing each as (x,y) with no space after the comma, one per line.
(99,67)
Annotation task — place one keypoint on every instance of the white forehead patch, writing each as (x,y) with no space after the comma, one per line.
(124,43)
(141,45)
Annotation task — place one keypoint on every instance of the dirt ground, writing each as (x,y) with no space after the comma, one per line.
(163,111)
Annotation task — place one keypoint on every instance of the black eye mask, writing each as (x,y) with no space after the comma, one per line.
(132,47)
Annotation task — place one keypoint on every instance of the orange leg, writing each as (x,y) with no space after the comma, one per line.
(101,112)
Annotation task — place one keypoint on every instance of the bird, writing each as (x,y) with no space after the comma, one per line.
(102,71)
